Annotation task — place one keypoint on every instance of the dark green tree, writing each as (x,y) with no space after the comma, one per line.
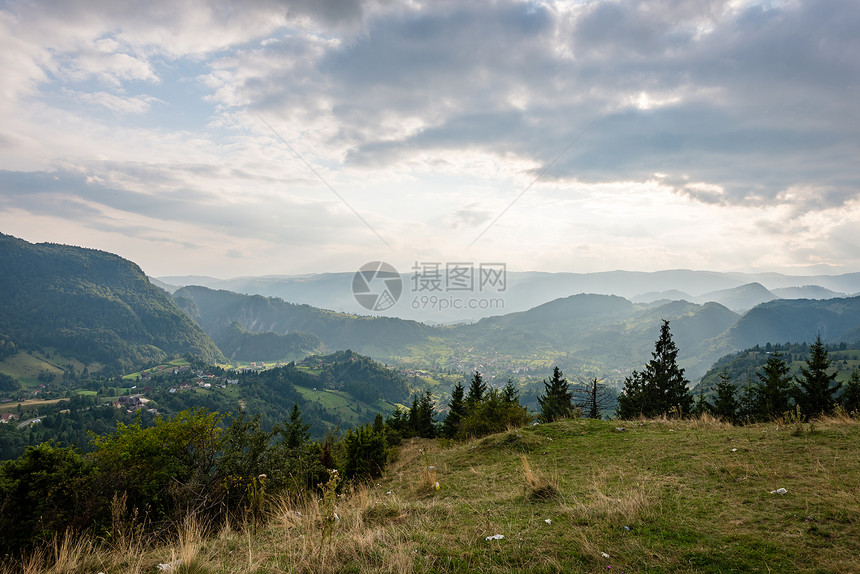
(816,387)
(725,402)
(772,396)
(365,452)
(492,415)
(660,389)
(295,431)
(378,423)
(477,388)
(44,492)
(850,399)
(701,404)
(510,392)
(456,412)
(557,402)
(422,415)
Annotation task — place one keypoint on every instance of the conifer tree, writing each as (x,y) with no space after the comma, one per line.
(701,404)
(850,399)
(557,403)
(296,432)
(510,392)
(816,386)
(772,396)
(422,415)
(456,412)
(725,403)
(477,388)
(660,389)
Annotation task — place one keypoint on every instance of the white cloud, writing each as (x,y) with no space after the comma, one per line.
(429,119)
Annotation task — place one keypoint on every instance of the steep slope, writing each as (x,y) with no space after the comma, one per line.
(790,320)
(217,311)
(92,306)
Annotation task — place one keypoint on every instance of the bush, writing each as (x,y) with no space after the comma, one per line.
(44,491)
(366,453)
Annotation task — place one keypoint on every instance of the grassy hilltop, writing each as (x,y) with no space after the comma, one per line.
(574,496)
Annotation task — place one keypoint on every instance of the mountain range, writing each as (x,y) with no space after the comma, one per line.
(524,290)
(585,333)
(100,308)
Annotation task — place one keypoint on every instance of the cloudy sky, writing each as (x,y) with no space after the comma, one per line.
(298,136)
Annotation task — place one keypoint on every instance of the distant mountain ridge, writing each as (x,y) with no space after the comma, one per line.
(218,312)
(526,290)
(91,305)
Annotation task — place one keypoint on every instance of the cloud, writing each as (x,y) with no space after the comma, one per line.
(432,115)
(127,105)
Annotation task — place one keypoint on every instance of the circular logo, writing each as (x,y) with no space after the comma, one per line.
(377,286)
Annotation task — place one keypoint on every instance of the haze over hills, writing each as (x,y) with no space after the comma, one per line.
(221,313)
(100,307)
(601,334)
(525,290)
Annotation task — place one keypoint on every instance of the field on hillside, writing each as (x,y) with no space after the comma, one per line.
(574,496)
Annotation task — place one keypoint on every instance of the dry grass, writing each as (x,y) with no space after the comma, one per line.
(538,486)
(617,496)
(666,495)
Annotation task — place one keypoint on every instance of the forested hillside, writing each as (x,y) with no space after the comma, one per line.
(92,306)
(218,311)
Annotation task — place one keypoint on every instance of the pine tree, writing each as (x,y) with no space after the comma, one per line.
(815,389)
(378,423)
(477,388)
(296,432)
(660,389)
(422,415)
(850,399)
(557,403)
(456,412)
(510,393)
(772,396)
(701,404)
(725,403)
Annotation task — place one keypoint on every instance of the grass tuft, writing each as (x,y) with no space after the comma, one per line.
(539,488)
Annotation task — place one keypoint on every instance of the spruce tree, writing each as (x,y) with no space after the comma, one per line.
(725,403)
(772,396)
(557,403)
(816,386)
(296,432)
(477,388)
(701,404)
(850,399)
(510,393)
(456,412)
(660,389)
(422,415)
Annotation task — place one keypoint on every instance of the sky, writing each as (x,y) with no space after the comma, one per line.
(276,137)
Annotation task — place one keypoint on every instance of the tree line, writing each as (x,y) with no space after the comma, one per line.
(661,389)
